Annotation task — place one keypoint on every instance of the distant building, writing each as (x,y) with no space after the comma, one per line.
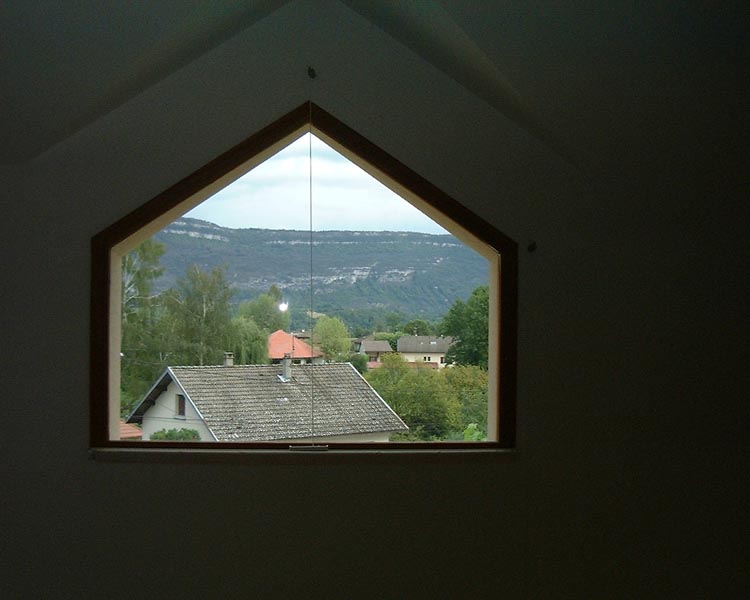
(374,349)
(253,403)
(426,349)
(282,344)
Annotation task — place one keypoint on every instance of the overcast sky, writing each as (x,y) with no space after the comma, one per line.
(275,195)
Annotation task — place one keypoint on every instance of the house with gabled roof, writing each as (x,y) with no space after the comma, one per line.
(288,403)
(281,344)
(429,350)
(373,349)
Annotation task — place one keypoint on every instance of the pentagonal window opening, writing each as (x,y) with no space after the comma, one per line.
(118,241)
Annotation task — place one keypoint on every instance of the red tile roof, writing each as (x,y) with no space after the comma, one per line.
(129,432)
(280,343)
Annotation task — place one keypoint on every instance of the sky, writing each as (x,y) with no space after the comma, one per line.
(276,195)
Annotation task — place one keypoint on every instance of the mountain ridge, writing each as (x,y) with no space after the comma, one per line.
(375,272)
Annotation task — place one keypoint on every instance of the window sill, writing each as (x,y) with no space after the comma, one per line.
(296,457)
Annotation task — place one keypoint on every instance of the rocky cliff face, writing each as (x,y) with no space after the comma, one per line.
(411,273)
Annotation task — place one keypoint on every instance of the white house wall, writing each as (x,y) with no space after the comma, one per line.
(162,415)
(419,357)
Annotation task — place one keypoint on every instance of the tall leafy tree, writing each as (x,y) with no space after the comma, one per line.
(420,396)
(391,338)
(359,362)
(264,311)
(469,384)
(140,268)
(249,342)
(417,327)
(141,310)
(275,294)
(331,335)
(199,311)
(468,323)
(392,321)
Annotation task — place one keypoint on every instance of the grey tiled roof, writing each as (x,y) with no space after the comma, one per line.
(376,346)
(423,343)
(252,403)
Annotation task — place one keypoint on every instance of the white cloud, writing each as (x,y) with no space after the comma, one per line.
(276,195)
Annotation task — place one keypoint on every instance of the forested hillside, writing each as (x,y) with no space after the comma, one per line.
(361,276)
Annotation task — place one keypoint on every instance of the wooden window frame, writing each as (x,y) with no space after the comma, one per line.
(220,172)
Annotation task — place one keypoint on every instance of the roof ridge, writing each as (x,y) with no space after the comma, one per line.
(249,402)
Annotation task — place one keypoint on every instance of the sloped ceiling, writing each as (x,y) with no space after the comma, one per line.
(587,80)
(64,64)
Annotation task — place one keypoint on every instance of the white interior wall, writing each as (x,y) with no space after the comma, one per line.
(631,374)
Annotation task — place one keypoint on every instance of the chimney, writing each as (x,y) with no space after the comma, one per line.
(286,367)
(228,359)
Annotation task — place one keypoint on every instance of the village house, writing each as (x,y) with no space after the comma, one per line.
(374,349)
(251,403)
(282,344)
(426,349)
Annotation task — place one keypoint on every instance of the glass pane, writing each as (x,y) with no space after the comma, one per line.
(262,314)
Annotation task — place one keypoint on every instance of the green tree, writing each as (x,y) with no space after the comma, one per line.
(391,338)
(387,377)
(469,385)
(417,327)
(474,433)
(468,323)
(392,321)
(175,435)
(141,311)
(199,313)
(249,342)
(359,362)
(140,268)
(332,337)
(264,310)
(420,396)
